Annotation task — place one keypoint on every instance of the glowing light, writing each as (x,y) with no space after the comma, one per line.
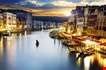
(68,31)
(74,34)
(62,29)
(68,14)
(102,40)
(90,42)
(97,48)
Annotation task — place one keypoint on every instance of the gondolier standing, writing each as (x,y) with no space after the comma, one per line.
(37,43)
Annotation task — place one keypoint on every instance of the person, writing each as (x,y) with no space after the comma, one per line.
(37,43)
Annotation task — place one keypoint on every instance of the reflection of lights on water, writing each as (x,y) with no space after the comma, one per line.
(77,55)
(11,41)
(1,48)
(79,61)
(102,61)
(20,39)
(25,33)
(7,44)
(86,63)
(92,58)
(68,52)
(104,64)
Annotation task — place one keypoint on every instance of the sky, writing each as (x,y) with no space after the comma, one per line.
(63,11)
(17,1)
(52,2)
(39,3)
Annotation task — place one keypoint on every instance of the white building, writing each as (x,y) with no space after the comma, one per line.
(1,21)
(9,20)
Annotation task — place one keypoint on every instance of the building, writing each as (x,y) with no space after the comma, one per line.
(23,18)
(9,21)
(46,22)
(29,20)
(16,19)
(95,20)
(76,20)
(1,21)
(89,19)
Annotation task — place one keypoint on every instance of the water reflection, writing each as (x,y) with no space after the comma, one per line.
(1,49)
(19,52)
(93,62)
(7,51)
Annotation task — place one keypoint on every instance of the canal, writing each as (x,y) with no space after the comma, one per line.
(19,52)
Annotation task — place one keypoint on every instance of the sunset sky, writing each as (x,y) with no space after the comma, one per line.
(51,2)
(65,5)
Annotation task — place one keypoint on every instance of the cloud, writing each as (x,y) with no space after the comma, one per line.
(62,3)
(44,2)
(102,2)
(93,2)
(32,1)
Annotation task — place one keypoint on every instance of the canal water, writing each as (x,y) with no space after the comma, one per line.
(19,52)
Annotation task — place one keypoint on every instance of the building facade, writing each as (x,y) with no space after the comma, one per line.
(91,19)
(96,20)
(24,19)
(9,21)
(1,21)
